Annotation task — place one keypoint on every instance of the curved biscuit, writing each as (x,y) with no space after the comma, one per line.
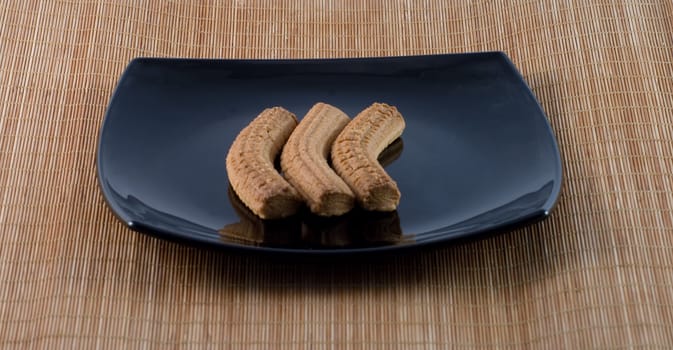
(354,154)
(304,161)
(250,165)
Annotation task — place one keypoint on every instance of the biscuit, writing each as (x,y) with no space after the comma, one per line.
(250,165)
(304,161)
(355,151)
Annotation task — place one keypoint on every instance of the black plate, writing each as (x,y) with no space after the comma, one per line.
(477,155)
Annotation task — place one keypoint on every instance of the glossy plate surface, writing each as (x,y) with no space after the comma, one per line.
(477,154)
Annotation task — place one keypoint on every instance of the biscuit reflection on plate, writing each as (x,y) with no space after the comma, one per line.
(322,232)
(359,228)
(378,227)
(252,230)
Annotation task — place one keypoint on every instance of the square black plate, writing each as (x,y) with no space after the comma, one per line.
(478,154)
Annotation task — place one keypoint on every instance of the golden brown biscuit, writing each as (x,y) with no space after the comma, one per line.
(250,165)
(304,161)
(356,149)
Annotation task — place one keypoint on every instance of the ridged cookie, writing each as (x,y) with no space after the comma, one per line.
(355,151)
(250,165)
(304,161)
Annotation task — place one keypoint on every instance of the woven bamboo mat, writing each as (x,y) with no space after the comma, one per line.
(597,273)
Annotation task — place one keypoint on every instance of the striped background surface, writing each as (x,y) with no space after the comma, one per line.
(597,273)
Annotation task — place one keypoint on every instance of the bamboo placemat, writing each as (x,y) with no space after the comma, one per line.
(597,273)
